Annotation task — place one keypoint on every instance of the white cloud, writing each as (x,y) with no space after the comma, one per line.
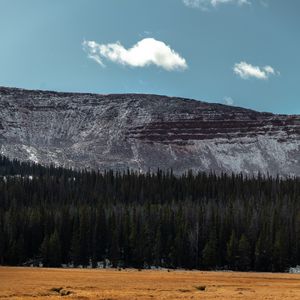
(265,3)
(228,101)
(206,4)
(246,71)
(146,52)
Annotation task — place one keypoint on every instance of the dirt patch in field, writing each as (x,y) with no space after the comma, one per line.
(31,283)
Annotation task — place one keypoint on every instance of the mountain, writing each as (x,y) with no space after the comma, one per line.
(143,132)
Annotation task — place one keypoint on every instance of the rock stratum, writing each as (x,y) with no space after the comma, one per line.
(145,132)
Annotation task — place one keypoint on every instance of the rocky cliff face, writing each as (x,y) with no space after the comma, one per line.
(145,132)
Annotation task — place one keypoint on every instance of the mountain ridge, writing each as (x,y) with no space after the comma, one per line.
(145,131)
(66,93)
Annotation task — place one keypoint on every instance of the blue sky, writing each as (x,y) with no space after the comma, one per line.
(244,52)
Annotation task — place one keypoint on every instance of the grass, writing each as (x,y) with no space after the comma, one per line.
(35,283)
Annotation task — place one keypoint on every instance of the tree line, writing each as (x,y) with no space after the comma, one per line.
(193,221)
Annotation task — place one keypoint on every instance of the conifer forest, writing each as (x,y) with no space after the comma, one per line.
(192,221)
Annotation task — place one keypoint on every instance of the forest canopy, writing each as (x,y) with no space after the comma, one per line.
(194,221)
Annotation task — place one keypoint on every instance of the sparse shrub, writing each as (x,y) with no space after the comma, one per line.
(60,291)
(65,292)
(201,288)
(56,290)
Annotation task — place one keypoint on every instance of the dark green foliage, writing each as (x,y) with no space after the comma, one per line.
(51,250)
(244,254)
(210,252)
(140,220)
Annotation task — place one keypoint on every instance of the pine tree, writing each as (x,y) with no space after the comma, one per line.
(209,253)
(54,250)
(232,251)
(244,254)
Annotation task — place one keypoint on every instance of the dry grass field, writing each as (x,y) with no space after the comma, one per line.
(34,283)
